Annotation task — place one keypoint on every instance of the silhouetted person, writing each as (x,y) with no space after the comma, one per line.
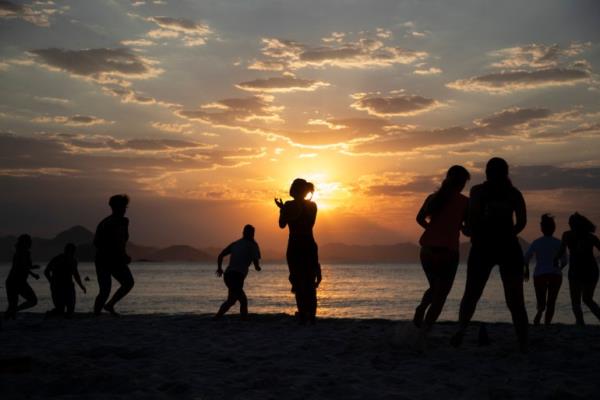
(111,256)
(492,206)
(61,271)
(547,276)
(16,282)
(583,268)
(443,215)
(302,254)
(242,252)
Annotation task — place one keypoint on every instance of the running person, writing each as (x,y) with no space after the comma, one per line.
(302,253)
(583,268)
(443,216)
(112,260)
(243,252)
(547,277)
(492,206)
(16,282)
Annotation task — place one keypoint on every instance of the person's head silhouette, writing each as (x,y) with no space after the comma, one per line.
(457,177)
(580,224)
(118,203)
(496,170)
(70,250)
(23,242)
(300,188)
(248,232)
(547,225)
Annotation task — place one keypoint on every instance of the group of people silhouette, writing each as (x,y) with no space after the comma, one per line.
(492,216)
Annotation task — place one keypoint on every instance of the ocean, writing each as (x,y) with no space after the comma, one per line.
(347,291)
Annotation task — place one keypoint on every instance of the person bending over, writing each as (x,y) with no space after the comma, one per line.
(60,272)
(242,253)
(16,282)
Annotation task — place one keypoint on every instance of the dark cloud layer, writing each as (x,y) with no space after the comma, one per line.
(103,64)
(502,82)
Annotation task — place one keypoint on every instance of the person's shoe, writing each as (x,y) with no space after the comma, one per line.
(111,310)
(536,320)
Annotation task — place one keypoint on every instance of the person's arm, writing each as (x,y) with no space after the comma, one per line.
(77,278)
(561,251)
(596,242)
(30,267)
(520,214)
(474,210)
(226,251)
(48,270)
(319,276)
(464,227)
(422,214)
(527,257)
(256,260)
(282,215)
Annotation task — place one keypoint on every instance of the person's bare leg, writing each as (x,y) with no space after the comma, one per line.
(575,293)
(553,290)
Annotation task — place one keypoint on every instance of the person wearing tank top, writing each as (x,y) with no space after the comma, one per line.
(583,268)
(494,241)
(443,216)
(299,215)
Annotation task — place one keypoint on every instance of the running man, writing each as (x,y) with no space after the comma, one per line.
(242,252)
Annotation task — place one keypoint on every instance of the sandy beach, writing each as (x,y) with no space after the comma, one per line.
(270,357)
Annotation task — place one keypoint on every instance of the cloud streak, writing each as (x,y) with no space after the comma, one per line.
(393,105)
(283,84)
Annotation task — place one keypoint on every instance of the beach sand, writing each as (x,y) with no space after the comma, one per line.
(271,357)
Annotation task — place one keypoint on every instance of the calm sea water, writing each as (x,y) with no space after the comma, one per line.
(355,291)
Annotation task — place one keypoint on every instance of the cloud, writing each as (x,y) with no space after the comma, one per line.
(531,66)
(525,123)
(137,43)
(536,55)
(37,13)
(428,71)
(192,33)
(283,84)
(133,97)
(508,81)
(394,105)
(51,100)
(512,117)
(365,52)
(75,120)
(172,128)
(234,112)
(103,65)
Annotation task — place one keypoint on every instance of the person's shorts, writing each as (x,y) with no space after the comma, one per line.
(234,280)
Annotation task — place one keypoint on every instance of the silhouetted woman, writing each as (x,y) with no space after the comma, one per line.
(443,215)
(300,215)
(547,277)
(583,268)
(492,207)
(16,283)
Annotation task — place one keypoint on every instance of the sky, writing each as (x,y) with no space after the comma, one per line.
(205,111)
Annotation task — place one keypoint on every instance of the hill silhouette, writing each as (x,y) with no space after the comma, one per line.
(44,249)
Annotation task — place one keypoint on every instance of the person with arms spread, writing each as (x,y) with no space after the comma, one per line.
(492,207)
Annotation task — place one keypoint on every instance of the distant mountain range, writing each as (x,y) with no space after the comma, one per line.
(44,249)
